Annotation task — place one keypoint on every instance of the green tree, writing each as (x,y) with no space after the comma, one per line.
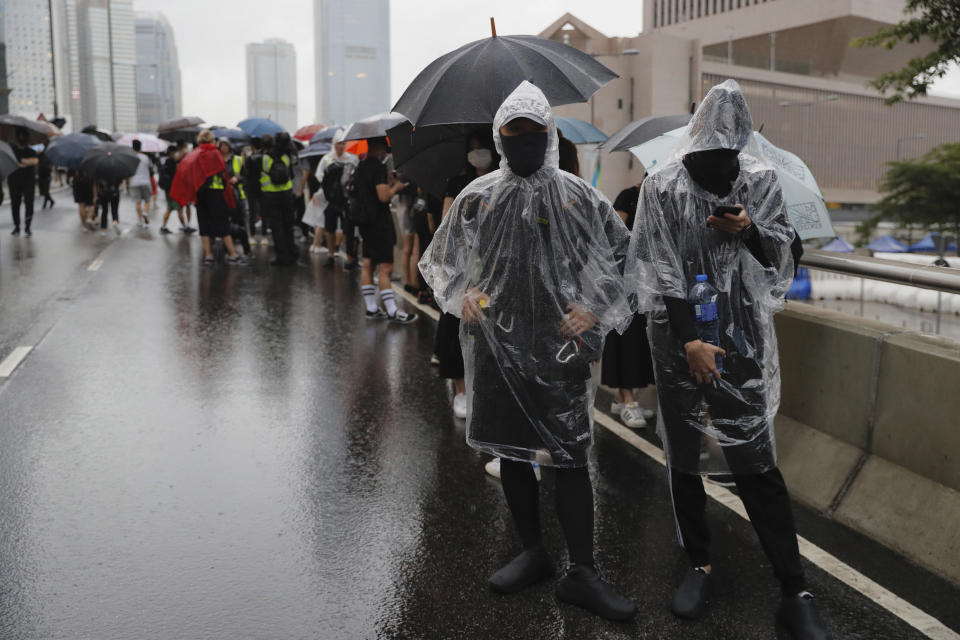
(924,191)
(933,20)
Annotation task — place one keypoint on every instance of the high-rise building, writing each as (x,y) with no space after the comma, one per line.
(4,89)
(272,82)
(158,72)
(102,60)
(26,26)
(352,50)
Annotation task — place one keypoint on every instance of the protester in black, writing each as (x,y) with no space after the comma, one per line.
(83,196)
(107,194)
(44,175)
(276,198)
(22,182)
(374,190)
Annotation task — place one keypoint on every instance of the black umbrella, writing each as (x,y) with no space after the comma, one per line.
(469,84)
(36,132)
(8,160)
(431,155)
(110,162)
(644,130)
(180,130)
(68,151)
(92,130)
(180,123)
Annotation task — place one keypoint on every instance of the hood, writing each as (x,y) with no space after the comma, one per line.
(722,121)
(527,100)
(339,136)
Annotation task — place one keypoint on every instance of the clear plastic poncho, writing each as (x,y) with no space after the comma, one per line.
(530,248)
(710,427)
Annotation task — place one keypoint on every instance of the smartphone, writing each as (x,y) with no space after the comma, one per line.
(725,209)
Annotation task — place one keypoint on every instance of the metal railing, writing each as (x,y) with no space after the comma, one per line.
(939,279)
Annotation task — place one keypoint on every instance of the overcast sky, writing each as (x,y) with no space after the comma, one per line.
(211,35)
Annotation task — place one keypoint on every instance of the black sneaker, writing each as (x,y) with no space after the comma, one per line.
(165,230)
(15,232)
(402,317)
(28,233)
(209,262)
(798,616)
(584,588)
(237,260)
(379,314)
(351,266)
(527,569)
(690,600)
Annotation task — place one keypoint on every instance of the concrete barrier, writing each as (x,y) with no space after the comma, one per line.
(868,432)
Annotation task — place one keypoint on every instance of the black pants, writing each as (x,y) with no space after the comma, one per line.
(574,503)
(109,201)
(767,502)
(277,210)
(21,191)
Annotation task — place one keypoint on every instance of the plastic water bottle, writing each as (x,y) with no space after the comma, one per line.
(703,303)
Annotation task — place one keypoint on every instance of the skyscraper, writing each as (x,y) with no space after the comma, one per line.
(352,48)
(27,32)
(272,82)
(158,71)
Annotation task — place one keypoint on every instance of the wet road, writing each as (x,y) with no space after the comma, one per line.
(237,453)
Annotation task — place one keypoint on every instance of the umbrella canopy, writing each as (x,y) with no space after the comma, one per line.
(640,131)
(316,149)
(8,160)
(306,133)
(260,126)
(68,151)
(431,155)
(149,143)
(579,131)
(838,245)
(52,130)
(373,127)
(36,131)
(469,84)
(887,244)
(194,169)
(325,135)
(110,162)
(93,131)
(237,137)
(805,205)
(177,124)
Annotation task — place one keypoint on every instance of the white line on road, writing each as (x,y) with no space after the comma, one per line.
(12,360)
(915,617)
(96,264)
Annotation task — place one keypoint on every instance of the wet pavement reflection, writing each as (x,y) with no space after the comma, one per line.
(223,452)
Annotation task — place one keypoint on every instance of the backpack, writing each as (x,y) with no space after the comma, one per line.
(333,186)
(279,171)
(167,172)
(356,212)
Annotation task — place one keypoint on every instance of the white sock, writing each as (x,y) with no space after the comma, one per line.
(388,302)
(370,297)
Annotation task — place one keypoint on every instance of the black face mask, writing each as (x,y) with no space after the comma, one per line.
(714,170)
(525,152)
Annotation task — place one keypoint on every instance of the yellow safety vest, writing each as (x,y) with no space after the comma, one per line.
(217,182)
(237,172)
(266,185)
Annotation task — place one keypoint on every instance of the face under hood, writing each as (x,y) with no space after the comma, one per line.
(338,136)
(528,101)
(722,121)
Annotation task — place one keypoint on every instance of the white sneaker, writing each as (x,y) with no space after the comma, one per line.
(493,468)
(632,415)
(649,414)
(615,407)
(116,227)
(460,407)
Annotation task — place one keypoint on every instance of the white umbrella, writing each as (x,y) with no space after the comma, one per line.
(149,143)
(805,205)
(374,126)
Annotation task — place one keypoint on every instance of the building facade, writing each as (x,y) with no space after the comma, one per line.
(272,82)
(158,72)
(804,83)
(352,59)
(29,76)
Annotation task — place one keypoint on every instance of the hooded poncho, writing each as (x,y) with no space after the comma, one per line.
(535,246)
(671,244)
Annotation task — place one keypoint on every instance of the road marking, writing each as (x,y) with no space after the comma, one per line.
(14,359)
(912,615)
(96,264)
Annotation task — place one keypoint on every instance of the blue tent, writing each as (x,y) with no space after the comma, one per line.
(579,132)
(887,244)
(927,243)
(838,245)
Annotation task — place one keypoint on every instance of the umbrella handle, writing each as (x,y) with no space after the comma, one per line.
(493,27)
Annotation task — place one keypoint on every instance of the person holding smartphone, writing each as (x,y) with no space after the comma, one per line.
(716,212)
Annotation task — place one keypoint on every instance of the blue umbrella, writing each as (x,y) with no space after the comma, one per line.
(260,126)
(325,135)
(887,244)
(838,245)
(67,151)
(316,149)
(237,137)
(579,132)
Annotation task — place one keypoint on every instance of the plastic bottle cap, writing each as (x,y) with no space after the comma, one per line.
(702,278)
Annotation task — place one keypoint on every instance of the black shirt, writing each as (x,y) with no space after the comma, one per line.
(456,184)
(370,173)
(627,202)
(24,173)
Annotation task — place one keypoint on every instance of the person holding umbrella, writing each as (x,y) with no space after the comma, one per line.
(715,215)
(22,182)
(109,164)
(529,257)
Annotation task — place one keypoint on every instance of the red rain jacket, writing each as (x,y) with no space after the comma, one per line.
(193,171)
